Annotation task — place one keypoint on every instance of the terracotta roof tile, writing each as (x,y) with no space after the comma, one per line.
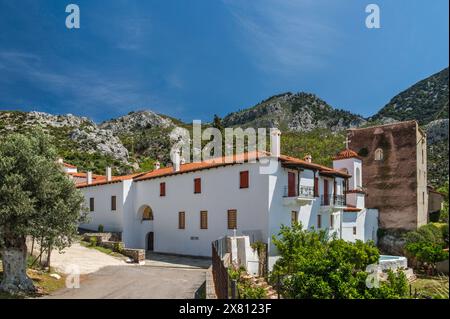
(347,153)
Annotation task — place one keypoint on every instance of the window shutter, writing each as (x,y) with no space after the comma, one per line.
(243,179)
(316,187)
(203,220)
(113,202)
(197,186)
(232,219)
(91,204)
(181,220)
(162,189)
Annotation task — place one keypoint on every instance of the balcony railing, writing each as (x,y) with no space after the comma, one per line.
(332,200)
(302,191)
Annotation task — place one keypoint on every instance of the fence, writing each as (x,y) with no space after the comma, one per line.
(220,271)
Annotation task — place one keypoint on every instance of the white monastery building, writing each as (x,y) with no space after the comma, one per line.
(182,209)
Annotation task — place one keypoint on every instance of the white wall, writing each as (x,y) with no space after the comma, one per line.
(102,214)
(220,192)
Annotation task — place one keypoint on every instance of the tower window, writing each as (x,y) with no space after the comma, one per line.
(378,154)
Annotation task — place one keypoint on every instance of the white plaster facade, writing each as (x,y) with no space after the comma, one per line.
(262,208)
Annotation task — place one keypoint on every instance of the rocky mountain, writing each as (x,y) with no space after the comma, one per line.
(136,121)
(77,139)
(310,125)
(425,101)
(299,112)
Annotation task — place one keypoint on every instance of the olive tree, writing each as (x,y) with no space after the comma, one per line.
(36,199)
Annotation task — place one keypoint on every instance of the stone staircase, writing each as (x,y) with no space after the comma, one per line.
(261,282)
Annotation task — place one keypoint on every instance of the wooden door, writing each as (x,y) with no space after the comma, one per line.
(291,184)
(150,241)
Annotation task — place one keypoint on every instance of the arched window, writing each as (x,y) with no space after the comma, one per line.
(147,213)
(378,154)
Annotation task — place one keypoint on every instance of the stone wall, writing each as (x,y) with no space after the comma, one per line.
(391,183)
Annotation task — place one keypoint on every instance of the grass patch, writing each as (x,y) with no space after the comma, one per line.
(431,287)
(42,281)
(102,249)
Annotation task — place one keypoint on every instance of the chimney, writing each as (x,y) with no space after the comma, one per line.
(157,165)
(176,161)
(308,158)
(275,142)
(108,174)
(89,178)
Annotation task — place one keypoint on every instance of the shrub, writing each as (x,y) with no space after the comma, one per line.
(118,247)
(100,228)
(93,241)
(247,291)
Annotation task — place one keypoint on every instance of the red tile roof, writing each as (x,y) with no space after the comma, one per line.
(69,165)
(347,153)
(352,209)
(217,162)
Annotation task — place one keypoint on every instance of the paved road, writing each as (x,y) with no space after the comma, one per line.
(87,260)
(137,282)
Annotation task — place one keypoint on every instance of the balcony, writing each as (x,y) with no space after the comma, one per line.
(299,195)
(336,201)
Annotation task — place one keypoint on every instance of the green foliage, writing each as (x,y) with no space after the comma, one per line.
(427,244)
(313,266)
(320,143)
(396,287)
(118,247)
(247,291)
(100,228)
(36,198)
(443,217)
(93,241)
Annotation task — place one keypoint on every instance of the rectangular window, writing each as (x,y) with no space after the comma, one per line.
(181,220)
(203,220)
(113,202)
(316,187)
(197,185)
(354,231)
(232,219)
(331,221)
(91,204)
(162,189)
(243,179)
(294,217)
(319,221)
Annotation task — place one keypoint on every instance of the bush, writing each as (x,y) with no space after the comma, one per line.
(249,292)
(118,247)
(93,241)
(100,228)
(311,266)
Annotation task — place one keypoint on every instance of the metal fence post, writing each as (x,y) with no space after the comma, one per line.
(233,289)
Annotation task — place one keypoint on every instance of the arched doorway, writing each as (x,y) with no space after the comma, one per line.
(150,242)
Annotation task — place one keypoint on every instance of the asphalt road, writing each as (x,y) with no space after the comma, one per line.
(136,282)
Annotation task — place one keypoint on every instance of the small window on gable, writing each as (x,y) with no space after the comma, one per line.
(113,203)
(243,179)
(232,219)
(197,185)
(354,231)
(91,204)
(204,219)
(319,221)
(162,189)
(378,154)
(181,220)
(331,221)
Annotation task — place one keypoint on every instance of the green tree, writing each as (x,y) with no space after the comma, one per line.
(444,211)
(312,265)
(36,199)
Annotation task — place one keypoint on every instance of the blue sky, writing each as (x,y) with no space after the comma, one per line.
(193,59)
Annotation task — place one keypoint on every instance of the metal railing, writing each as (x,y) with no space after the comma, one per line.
(302,191)
(332,200)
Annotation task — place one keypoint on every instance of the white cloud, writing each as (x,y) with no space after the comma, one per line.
(284,36)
